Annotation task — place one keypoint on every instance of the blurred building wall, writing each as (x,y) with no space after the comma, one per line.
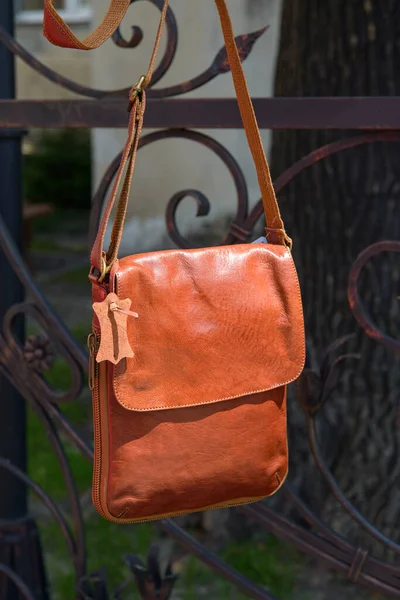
(165,167)
(67,62)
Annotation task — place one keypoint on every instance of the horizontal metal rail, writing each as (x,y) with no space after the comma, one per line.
(358,113)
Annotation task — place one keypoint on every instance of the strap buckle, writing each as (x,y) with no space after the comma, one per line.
(277,235)
(105,269)
(136,91)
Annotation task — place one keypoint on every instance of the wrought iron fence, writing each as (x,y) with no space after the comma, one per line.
(22,573)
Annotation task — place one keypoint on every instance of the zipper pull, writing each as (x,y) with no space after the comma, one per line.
(92,343)
(114,307)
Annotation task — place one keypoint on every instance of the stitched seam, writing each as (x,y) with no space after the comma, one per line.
(264,247)
(249,393)
(171,407)
(232,504)
(72,38)
(270,481)
(227,504)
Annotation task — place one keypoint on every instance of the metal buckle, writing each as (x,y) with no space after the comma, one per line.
(104,270)
(135,91)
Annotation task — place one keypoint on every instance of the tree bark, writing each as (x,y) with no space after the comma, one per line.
(333,211)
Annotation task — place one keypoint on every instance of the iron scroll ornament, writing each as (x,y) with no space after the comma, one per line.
(318,539)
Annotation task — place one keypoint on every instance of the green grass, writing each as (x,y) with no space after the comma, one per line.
(81,248)
(62,221)
(46,224)
(43,465)
(194,577)
(81,332)
(58,377)
(42,462)
(271,564)
(107,544)
(79,275)
(45,245)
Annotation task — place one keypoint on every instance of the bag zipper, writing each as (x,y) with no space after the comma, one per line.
(93,343)
(133,521)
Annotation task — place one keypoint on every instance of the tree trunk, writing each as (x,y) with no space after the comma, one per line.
(333,211)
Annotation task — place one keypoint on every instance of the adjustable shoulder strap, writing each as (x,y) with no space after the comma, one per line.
(58,33)
(275,229)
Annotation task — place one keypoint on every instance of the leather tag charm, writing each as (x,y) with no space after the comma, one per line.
(113,314)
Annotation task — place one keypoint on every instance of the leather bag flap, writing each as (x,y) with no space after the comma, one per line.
(214,324)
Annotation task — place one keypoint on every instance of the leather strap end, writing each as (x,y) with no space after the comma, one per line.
(97,260)
(278,236)
(53,30)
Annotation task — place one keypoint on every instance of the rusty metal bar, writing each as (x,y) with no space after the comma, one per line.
(21,565)
(222,113)
(13,504)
